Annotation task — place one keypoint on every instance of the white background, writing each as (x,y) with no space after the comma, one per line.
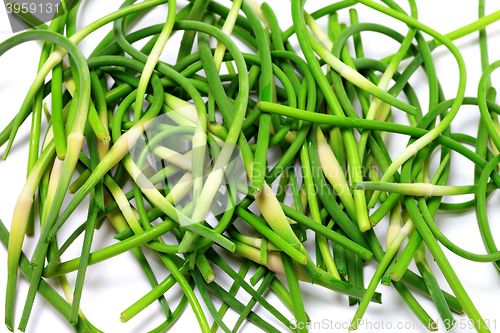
(112,286)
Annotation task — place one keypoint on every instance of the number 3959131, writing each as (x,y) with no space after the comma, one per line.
(33,8)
